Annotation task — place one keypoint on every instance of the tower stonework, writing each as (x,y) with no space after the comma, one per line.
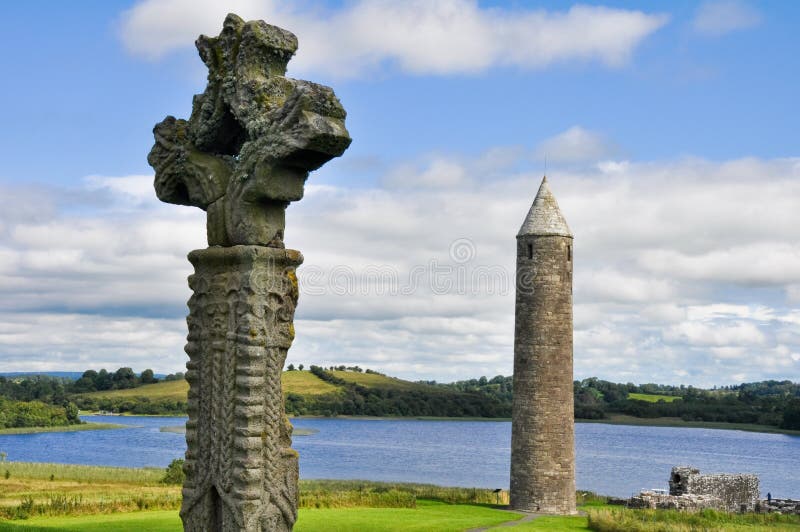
(543,428)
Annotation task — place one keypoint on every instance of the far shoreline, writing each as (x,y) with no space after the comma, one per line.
(613,419)
(64,428)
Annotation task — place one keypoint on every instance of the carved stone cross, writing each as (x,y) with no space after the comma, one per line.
(243,155)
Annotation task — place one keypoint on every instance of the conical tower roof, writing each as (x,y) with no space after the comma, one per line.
(545,217)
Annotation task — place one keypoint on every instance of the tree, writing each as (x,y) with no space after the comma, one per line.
(300,367)
(290,367)
(124,378)
(174,473)
(147,377)
(72,413)
(103,380)
(791,415)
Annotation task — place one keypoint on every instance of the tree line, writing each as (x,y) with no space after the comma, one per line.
(772,403)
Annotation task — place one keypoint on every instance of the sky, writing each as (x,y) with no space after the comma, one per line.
(668,132)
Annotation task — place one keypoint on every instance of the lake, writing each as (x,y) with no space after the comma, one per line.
(611,459)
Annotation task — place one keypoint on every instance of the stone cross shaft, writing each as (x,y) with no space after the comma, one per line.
(244,154)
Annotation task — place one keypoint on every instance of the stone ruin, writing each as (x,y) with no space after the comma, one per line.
(244,154)
(691,491)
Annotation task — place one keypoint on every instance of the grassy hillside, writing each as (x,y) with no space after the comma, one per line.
(652,397)
(299,382)
(173,390)
(376,380)
(305,383)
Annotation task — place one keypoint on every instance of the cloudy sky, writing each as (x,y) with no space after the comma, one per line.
(670,132)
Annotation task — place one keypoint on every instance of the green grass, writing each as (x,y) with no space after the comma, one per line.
(305,383)
(313,489)
(299,382)
(557,524)
(64,428)
(373,380)
(81,473)
(157,521)
(428,515)
(652,397)
(173,390)
(621,519)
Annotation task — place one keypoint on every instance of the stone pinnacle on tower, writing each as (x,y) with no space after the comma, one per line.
(543,433)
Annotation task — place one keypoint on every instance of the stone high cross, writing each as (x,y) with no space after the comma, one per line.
(244,154)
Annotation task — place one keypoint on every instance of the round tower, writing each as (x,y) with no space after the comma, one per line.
(543,424)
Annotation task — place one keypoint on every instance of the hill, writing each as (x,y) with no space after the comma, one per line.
(316,392)
(300,382)
(353,391)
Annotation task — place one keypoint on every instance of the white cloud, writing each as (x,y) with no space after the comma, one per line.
(718,17)
(419,37)
(717,334)
(440,172)
(576,144)
(69,280)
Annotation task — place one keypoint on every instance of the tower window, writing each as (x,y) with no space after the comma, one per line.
(530,251)
(569,252)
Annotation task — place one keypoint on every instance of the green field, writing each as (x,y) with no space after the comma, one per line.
(305,383)
(652,397)
(375,380)
(174,390)
(299,382)
(46,497)
(427,516)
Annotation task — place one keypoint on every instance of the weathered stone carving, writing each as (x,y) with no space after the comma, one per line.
(245,153)
(253,137)
(542,419)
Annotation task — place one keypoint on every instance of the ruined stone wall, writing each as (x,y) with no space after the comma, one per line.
(687,503)
(737,493)
(543,441)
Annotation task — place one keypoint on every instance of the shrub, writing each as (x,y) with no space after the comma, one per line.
(174,473)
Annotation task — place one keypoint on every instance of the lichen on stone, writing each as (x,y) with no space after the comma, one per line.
(252,138)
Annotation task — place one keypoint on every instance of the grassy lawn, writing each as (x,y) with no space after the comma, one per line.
(652,397)
(557,524)
(428,515)
(65,428)
(160,521)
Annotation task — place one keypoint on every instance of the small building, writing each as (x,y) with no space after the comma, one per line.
(689,491)
(737,493)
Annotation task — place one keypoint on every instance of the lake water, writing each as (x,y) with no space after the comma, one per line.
(611,459)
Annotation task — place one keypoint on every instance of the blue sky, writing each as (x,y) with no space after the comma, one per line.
(670,132)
